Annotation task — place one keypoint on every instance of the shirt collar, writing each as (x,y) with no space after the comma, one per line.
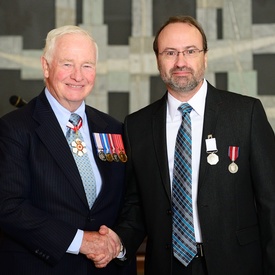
(197,102)
(61,113)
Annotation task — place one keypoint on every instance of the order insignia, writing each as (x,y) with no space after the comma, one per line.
(79,147)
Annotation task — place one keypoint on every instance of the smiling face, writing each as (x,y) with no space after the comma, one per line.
(70,75)
(182,75)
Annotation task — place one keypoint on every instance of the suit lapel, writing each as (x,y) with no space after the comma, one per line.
(160,145)
(53,138)
(212,107)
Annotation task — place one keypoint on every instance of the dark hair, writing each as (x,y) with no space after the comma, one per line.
(181,19)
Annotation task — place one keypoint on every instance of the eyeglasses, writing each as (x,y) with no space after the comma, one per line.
(173,54)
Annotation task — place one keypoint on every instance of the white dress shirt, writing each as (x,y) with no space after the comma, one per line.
(173,121)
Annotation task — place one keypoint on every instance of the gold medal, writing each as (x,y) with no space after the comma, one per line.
(212,159)
(109,157)
(122,156)
(233,168)
(119,148)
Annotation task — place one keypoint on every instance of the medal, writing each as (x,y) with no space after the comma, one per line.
(101,155)
(212,159)
(109,157)
(110,147)
(79,147)
(106,146)
(99,146)
(120,151)
(211,149)
(233,168)
(122,156)
(116,158)
(233,153)
(113,149)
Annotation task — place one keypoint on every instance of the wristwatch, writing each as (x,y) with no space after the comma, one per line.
(122,252)
(121,247)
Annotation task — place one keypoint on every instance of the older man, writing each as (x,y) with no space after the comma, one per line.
(55,191)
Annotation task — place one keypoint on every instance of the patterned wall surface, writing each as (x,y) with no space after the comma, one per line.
(241,37)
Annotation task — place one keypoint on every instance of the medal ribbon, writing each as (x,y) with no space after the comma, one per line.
(98,142)
(115,140)
(110,139)
(105,142)
(211,145)
(233,152)
(118,143)
(75,128)
(121,146)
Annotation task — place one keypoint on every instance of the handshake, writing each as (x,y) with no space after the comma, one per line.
(101,247)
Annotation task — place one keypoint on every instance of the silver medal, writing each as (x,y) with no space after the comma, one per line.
(233,168)
(212,159)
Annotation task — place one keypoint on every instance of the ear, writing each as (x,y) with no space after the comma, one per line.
(158,63)
(45,66)
(205,59)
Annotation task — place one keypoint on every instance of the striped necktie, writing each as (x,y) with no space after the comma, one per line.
(78,148)
(184,243)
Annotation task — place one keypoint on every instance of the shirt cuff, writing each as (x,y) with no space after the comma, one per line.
(122,253)
(76,243)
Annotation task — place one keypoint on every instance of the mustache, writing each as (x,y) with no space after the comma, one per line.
(181,69)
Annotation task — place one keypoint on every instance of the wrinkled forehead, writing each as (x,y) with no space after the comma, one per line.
(77,44)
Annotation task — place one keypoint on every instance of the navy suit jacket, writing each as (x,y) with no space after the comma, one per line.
(236,210)
(42,199)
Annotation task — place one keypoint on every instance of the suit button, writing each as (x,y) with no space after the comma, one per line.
(169,212)
(167,246)
(90,219)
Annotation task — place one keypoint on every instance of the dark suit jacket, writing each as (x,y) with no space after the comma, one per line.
(236,211)
(42,199)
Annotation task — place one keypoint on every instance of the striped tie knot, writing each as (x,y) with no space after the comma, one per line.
(185,108)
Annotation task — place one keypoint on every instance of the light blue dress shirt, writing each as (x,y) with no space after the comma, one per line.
(63,115)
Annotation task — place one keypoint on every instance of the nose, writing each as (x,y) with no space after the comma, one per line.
(76,74)
(180,59)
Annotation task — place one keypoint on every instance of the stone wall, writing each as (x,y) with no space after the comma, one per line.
(241,37)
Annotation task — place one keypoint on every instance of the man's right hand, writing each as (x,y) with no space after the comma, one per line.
(100,247)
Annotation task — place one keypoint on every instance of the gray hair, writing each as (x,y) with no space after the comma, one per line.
(58,32)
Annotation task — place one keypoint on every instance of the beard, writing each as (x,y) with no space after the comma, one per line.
(182,83)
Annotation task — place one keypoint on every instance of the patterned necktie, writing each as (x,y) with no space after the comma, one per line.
(79,151)
(184,243)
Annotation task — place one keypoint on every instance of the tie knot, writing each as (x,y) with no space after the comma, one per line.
(185,108)
(75,119)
